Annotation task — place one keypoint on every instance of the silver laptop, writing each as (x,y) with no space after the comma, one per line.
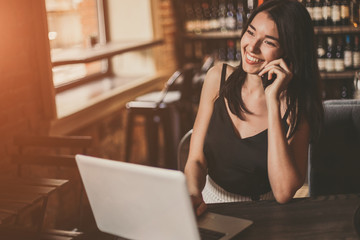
(140,202)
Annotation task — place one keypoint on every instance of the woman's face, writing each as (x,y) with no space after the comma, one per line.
(260,44)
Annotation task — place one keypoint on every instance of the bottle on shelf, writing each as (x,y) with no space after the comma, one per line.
(348,54)
(206,16)
(189,18)
(238,52)
(199,19)
(336,12)
(321,52)
(310,8)
(356,94)
(356,53)
(344,12)
(214,21)
(230,20)
(251,5)
(344,92)
(239,14)
(326,12)
(230,56)
(222,51)
(339,55)
(188,50)
(222,15)
(330,55)
(199,49)
(354,12)
(317,13)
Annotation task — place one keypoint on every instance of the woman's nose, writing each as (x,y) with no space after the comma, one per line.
(254,45)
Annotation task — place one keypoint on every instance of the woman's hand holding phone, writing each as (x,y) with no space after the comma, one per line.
(275,76)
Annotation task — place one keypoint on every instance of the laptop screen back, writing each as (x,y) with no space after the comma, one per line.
(138,202)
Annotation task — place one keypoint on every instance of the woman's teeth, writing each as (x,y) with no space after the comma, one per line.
(252,59)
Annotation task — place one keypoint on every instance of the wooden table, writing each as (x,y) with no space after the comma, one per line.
(325,217)
(19,195)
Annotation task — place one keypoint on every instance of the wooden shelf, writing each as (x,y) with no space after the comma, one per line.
(348,74)
(214,35)
(336,29)
(236,34)
(86,55)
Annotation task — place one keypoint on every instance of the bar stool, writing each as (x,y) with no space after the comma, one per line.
(161,108)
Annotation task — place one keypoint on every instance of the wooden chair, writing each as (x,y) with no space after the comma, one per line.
(56,152)
(334,160)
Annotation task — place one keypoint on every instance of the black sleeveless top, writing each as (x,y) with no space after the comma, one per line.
(238,165)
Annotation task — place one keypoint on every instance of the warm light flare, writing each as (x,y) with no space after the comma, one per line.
(52,35)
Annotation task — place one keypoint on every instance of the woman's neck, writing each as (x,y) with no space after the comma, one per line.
(253,86)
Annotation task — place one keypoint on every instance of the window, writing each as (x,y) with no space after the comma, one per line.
(75,24)
(96,46)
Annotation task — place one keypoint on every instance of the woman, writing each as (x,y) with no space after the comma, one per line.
(251,142)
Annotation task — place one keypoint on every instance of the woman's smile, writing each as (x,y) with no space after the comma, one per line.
(251,59)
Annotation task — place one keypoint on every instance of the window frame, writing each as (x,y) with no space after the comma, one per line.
(115,99)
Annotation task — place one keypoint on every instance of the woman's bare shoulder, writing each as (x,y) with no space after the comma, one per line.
(212,82)
(216,70)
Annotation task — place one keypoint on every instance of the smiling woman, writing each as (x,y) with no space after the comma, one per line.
(251,142)
(260,44)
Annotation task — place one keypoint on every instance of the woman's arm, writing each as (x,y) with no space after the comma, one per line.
(287,158)
(196,166)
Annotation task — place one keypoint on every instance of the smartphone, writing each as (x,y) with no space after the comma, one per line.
(265,81)
(264,78)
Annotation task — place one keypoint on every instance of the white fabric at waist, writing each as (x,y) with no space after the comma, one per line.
(213,193)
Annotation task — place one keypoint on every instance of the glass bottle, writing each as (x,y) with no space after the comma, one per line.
(321,52)
(239,14)
(238,51)
(348,54)
(354,13)
(336,12)
(230,56)
(345,13)
(356,53)
(189,18)
(339,55)
(251,5)
(310,7)
(222,15)
(317,13)
(214,21)
(326,12)
(199,20)
(222,51)
(206,15)
(230,16)
(330,55)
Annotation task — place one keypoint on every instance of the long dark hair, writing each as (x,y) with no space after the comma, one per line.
(297,40)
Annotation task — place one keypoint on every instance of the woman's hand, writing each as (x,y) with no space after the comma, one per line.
(283,77)
(198,204)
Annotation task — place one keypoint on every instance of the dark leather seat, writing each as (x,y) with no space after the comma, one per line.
(334,160)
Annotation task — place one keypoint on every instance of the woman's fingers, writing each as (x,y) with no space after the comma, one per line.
(201,209)
(275,63)
(198,204)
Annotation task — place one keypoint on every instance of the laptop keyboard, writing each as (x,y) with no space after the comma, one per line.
(206,234)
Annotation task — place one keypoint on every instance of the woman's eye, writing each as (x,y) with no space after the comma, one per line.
(270,43)
(250,32)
